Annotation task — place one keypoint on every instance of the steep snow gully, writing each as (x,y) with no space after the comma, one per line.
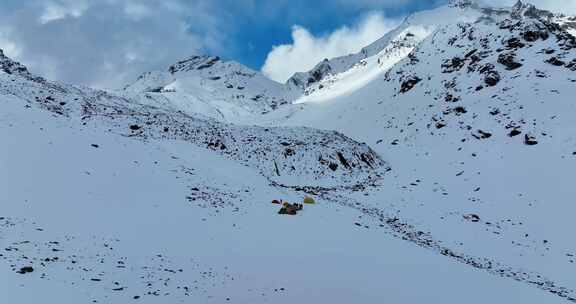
(440,157)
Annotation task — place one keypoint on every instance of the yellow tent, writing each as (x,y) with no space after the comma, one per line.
(309,200)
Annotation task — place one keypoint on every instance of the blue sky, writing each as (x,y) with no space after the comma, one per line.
(108,43)
(255,34)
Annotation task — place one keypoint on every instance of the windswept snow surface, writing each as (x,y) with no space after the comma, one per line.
(441,158)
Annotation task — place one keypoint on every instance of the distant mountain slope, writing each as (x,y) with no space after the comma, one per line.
(220,89)
(386,51)
(293,156)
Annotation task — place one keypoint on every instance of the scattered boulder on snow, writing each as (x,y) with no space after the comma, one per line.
(532,36)
(571,65)
(509,61)
(452,65)
(460,110)
(514,43)
(555,61)
(440,125)
(26,269)
(481,135)
(409,83)
(472,218)
(514,132)
(530,140)
(333,166)
(491,76)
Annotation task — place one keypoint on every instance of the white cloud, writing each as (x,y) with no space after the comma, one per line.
(308,50)
(374,3)
(104,43)
(57,10)
(137,10)
(7,44)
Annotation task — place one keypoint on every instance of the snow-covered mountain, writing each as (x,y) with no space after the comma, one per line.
(209,85)
(379,56)
(440,157)
(291,156)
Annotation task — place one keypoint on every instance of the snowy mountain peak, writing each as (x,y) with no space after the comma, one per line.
(384,52)
(217,88)
(522,9)
(194,63)
(521,5)
(10,66)
(303,80)
(381,55)
(463,3)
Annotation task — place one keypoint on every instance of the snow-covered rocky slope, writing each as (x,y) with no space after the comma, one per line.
(98,217)
(290,156)
(477,124)
(341,75)
(460,193)
(106,200)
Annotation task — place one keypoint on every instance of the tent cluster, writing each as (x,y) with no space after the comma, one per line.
(292,209)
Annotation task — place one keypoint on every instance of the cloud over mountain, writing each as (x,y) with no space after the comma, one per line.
(306,50)
(103,43)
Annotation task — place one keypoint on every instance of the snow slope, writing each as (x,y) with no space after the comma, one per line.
(133,221)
